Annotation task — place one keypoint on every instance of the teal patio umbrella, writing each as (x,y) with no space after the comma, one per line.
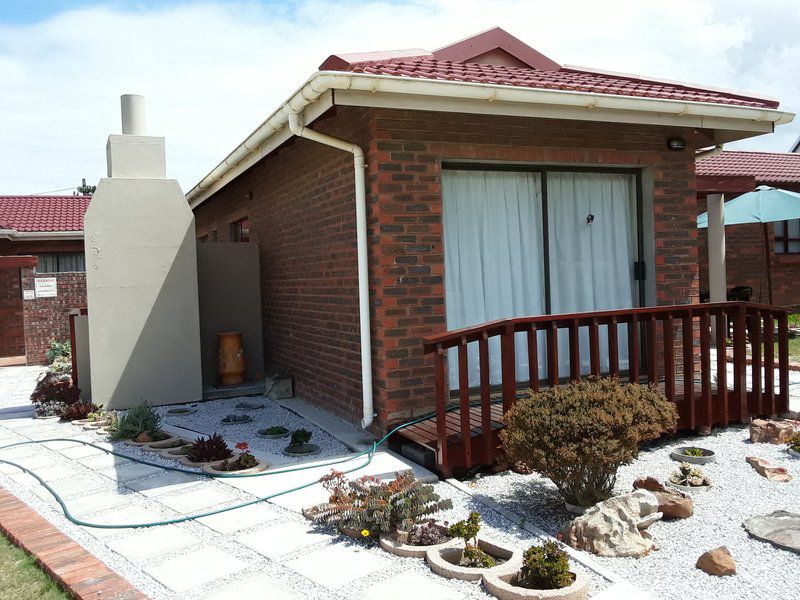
(763,205)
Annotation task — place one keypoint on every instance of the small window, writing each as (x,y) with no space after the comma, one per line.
(787,237)
(61,262)
(214,236)
(203,239)
(240,230)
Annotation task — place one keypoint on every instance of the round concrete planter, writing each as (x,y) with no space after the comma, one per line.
(273,436)
(48,418)
(793,453)
(499,584)
(301,450)
(249,406)
(388,542)
(184,460)
(166,445)
(142,444)
(171,453)
(708,455)
(92,425)
(211,468)
(687,488)
(244,421)
(444,561)
(181,411)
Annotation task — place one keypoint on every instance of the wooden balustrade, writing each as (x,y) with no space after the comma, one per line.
(667,346)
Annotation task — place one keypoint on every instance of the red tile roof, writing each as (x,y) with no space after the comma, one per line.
(43,213)
(766,167)
(566,78)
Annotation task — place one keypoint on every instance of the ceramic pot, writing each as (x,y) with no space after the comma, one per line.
(211,468)
(273,436)
(301,450)
(230,358)
(499,585)
(444,561)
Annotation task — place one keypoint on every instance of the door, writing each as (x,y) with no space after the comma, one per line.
(522,243)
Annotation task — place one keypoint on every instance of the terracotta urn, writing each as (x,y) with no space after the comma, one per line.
(230,358)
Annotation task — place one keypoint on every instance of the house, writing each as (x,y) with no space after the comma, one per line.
(397,195)
(41,248)
(745,243)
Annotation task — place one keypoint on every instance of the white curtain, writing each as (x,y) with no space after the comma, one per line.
(591,264)
(494,264)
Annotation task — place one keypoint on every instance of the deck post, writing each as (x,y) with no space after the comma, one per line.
(717,271)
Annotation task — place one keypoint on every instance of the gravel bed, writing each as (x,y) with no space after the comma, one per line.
(207,419)
(763,571)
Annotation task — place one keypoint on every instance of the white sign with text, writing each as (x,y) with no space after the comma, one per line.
(46,287)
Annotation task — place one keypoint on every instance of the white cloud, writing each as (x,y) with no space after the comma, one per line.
(212,71)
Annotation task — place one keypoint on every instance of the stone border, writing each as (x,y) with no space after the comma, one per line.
(77,571)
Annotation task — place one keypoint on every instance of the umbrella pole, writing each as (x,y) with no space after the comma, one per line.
(769,261)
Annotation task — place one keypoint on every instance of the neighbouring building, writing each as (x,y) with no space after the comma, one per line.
(745,243)
(401,194)
(49,229)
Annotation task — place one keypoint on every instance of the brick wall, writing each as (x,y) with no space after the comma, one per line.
(48,318)
(301,212)
(300,203)
(12,335)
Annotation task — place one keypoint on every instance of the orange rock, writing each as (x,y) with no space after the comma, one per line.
(769,471)
(718,562)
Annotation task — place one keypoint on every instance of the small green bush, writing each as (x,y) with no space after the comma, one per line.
(579,434)
(794,441)
(300,437)
(139,419)
(545,567)
(57,350)
(467,530)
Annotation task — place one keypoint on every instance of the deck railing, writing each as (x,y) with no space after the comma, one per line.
(669,346)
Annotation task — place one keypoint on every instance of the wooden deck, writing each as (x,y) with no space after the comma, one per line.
(672,349)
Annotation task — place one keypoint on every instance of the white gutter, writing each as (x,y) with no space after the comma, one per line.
(710,153)
(298,129)
(242,157)
(33,236)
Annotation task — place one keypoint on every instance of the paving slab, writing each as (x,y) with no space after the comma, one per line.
(258,586)
(78,484)
(192,501)
(241,518)
(87,504)
(82,451)
(130,471)
(410,585)
(143,544)
(195,569)
(163,483)
(335,566)
(282,538)
(101,460)
(124,516)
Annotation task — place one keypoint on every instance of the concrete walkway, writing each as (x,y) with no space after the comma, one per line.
(267,548)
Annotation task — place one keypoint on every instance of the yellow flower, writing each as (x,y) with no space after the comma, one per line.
(365,532)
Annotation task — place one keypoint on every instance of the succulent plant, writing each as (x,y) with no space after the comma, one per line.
(300,437)
(544,567)
(234,418)
(78,410)
(139,419)
(274,430)
(428,534)
(209,449)
(467,530)
(689,475)
(693,451)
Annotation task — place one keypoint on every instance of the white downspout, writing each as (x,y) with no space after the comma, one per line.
(298,129)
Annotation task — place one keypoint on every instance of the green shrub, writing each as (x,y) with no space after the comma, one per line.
(209,449)
(545,567)
(579,434)
(794,441)
(369,505)
(57,350)
(467,530)
(300,437)
(139,419)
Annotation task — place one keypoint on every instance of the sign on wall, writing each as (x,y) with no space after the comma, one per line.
(28,294)
(45,287)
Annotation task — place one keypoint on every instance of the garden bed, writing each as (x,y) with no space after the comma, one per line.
(737,494)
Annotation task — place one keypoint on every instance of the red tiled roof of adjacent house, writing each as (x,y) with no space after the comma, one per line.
(43,213)
(566,78)
(766,167)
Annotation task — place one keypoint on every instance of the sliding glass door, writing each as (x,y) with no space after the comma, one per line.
(531,242)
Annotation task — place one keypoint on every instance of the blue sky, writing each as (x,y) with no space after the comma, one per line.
(213,70)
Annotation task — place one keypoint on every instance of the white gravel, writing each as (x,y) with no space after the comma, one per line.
(763,571)
(207,420)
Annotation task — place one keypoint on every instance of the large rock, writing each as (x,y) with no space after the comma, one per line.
(769,471)
(648,483)
(674,504)
(717,562)
(782,528)
(616,526)
(770,432)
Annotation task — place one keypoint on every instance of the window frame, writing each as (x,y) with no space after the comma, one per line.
(58,257)
(785,239)
(240,230)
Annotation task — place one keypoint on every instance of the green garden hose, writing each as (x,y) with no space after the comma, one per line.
(370,452)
